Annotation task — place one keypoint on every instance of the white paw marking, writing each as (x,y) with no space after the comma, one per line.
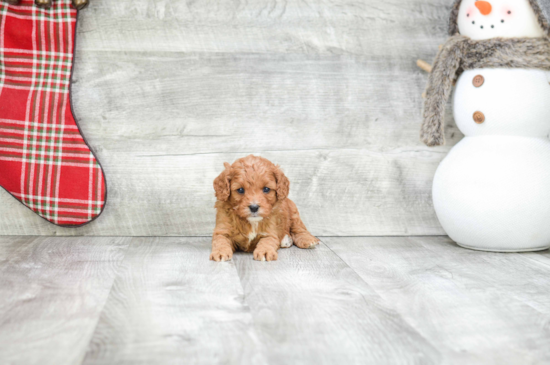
(286,242)
(263,258)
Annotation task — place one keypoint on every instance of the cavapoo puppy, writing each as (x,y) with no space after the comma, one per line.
(254,213)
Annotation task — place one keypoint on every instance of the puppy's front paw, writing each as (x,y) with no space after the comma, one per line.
(221,255)
(305,240)
(261,254)
(286,242)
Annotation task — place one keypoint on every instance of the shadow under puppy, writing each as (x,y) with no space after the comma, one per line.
(254,213)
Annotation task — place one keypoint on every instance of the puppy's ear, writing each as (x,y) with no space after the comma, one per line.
(283,185)
(222,184)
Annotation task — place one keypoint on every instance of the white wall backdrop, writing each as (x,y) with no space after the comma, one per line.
(167,90)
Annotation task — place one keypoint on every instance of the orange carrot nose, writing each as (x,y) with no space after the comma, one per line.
(484,7)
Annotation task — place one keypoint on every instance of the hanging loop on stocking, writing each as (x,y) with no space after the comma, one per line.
(44,4)
(47,4)
(80,4)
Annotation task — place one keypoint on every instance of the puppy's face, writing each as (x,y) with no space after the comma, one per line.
(252,186)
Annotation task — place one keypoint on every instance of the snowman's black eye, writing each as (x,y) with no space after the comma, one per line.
(240,191)
(492,26)
(502,21)
(473,22)
(509,12)
(468,15)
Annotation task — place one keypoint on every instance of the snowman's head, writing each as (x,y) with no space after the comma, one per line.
(479,20)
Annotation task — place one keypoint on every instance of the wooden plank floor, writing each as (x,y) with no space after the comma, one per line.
(375,300)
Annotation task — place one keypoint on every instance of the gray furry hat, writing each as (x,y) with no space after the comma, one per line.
(541,8)
(460,53)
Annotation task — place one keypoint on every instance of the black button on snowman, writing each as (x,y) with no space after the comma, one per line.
(492,191)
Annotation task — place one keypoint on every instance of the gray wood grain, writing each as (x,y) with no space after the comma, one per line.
(52,291)
(342,192)
(166,91)
(170,305)
(474,307)
(356,300)
(309,307)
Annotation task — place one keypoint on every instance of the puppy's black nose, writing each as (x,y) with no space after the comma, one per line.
(254,208)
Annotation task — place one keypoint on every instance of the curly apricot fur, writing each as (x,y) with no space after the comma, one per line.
(261,232)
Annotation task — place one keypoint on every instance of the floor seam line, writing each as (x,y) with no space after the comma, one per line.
(380,296)
(115,277)
(352,269)
(253,322)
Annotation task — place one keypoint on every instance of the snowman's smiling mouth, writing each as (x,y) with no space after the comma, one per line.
(493,22)
(484,26)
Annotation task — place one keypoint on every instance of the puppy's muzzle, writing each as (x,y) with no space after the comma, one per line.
(254,208)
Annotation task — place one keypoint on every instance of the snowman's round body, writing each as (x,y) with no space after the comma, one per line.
(492,191)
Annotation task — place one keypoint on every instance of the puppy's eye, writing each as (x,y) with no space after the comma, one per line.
(240,191)
(267,190)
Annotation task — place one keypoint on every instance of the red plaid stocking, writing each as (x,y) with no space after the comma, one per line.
(44,161)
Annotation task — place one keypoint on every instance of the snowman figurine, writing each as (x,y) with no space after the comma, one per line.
(492,191)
